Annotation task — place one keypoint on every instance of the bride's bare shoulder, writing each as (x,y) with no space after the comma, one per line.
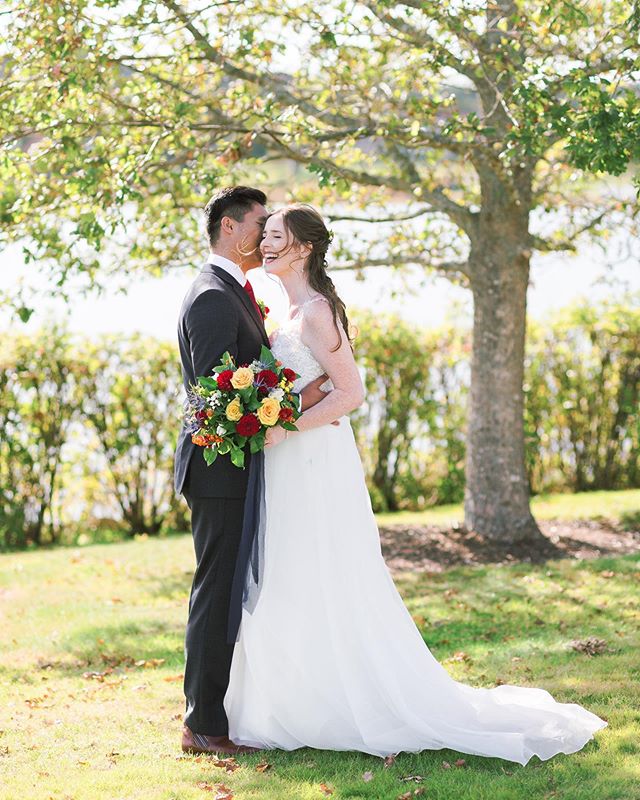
(318,323)
(317,312)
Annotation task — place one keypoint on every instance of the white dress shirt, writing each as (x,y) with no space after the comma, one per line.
(228,266)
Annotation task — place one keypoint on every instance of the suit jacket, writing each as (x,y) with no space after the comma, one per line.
(217,315)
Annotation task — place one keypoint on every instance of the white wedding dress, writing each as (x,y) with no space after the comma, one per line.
(330,657)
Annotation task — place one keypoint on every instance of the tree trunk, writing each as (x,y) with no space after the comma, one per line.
(497,489)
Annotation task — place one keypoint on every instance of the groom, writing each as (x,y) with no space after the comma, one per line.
(219,313)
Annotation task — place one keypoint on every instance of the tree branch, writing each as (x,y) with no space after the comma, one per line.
(568,244)
(448,267)
(420,39)
(265,81)
(461,215)
(393,218)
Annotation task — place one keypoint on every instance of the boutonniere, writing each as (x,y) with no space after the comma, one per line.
(264,309)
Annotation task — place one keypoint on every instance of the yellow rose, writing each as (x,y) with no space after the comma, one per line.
(242,378)
(234,410)
(269,411)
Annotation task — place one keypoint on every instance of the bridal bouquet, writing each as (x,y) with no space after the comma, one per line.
(237,405)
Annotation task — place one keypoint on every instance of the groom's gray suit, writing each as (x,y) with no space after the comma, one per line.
(217,315)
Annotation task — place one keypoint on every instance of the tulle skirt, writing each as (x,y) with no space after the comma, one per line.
(331,658)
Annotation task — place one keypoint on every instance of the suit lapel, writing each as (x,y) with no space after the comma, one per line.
(242,294)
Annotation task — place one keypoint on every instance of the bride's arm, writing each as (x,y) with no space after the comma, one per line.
(320,335)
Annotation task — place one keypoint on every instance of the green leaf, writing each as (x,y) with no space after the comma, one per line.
(256,443)
(24,313)
(210,455)
(237,457)
(267,357)
(207,383)
(248,394)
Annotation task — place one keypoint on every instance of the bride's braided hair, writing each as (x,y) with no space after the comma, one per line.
(307,226)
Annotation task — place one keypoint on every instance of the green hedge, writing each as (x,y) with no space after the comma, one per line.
(89,428)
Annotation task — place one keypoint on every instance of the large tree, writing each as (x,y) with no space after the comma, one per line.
(445,123)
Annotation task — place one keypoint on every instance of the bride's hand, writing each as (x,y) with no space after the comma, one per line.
(275,435)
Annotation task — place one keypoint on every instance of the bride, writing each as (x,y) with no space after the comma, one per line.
(328,656)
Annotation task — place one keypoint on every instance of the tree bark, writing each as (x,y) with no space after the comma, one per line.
(497,489)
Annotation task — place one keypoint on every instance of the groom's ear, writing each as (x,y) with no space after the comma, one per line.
(226,224)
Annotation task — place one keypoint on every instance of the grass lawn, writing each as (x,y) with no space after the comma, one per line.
(91,695)
(622,507)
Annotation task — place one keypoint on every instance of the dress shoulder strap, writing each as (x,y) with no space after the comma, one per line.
(313,300)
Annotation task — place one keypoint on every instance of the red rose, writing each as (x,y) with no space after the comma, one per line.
(248,425)
(289,374)
(267,377)
(224,380)
(286,415)
(201,416)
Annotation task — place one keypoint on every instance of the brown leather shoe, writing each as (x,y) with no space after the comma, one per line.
(201,743)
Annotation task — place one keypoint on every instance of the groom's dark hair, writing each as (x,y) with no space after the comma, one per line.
(233,202)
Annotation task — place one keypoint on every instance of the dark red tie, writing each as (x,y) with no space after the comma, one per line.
(249,290)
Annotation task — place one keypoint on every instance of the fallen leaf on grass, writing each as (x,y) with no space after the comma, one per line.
(389,761)
(446,765)
(174,677)
(222,792)
(367,776)
(228,764)
(96,676)
(460,762)
(326,791)
(38,702)
(591,646)
(117,659)
(409,795)
(263,766)
(460,656)
(149,662)
(414,778)
(608,573)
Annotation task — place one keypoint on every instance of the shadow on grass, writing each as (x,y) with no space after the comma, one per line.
(173,586)
(438,772)
(108,648)
(630,520)
(116,643)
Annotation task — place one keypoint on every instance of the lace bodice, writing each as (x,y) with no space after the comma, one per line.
(289,348)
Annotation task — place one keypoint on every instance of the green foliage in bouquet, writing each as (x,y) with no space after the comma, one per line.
(236,405)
